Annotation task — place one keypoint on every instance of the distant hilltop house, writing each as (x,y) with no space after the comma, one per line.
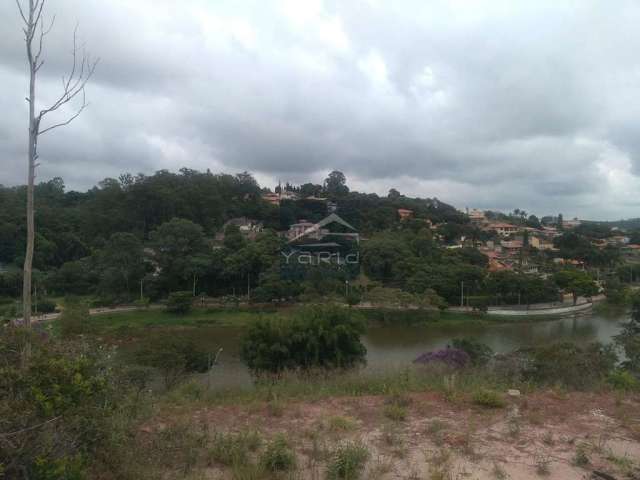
(248,227)
(571,223)
(502,229)
(477,217)
(405,213)
(276,198)
(541,243)
(511,246)
(306,229)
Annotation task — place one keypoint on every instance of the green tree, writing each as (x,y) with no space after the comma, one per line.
(179,302)
(577,282)
(615,291)
(318,337)
(122,264)
(336,184)
(629,338)
(174,357)
(177,246)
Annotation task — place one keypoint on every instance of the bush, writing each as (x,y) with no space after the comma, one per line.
(452,357)
(45,305)
(478,303)
(623,380)
(324,337)
(488,398)
(348,461)
(629,338)
(173,357)
(478,352)
(571,365)
(278,456)
(180,302)
(395,412)
(143,302)
(233,449)
(58,406)
(74,319)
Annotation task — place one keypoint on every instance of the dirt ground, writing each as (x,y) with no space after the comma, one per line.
(547,434)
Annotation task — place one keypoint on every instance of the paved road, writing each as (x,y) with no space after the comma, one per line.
(92,311)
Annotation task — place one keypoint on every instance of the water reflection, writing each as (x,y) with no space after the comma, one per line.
(393,346)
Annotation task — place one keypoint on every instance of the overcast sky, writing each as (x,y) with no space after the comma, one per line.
(489,104)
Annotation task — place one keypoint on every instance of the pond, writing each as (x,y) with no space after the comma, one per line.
(397,346)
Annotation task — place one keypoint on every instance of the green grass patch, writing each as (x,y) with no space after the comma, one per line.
(135,322)
(488,398)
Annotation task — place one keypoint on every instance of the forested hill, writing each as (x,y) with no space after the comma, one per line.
(71,225)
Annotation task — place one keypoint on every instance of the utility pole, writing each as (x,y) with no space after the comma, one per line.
(462,293)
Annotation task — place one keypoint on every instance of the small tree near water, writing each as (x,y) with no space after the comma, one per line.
(179,302)
(317,337)
(173,357)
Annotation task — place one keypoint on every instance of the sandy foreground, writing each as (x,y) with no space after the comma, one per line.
(548,434)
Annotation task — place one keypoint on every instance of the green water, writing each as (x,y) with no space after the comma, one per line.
(393,346)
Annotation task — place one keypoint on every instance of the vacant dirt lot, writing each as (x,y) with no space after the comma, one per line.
(548,434)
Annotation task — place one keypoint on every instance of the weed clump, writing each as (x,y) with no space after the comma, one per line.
(348,461)
(488,398)
(341,424)
(396,413)
(278,456)
(233,449)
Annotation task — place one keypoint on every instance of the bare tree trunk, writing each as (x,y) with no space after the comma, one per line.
(73,85)
(31,162)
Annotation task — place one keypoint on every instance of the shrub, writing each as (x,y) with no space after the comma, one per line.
(180,302)
(395,412)
(488,398)
(623,380)
(278,456)
(571,365)
(452,357)
(74,319)
(478,352)
(233,449)
(173,357)
(629,338)
(347,461)
(143,302)
(581,458)
(58,406)
(341,424)
(324,337)
(45,305)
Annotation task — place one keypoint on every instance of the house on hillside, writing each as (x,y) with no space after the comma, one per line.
(306,228)
(248,227)
(541,243)
(511,247)
(569,224)
(272,198)
(502,229)
(477,217)
(405,213)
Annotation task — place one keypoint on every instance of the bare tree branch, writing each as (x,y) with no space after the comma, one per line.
(70,119)
(24,18)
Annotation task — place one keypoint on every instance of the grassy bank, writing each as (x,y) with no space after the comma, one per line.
(136,322)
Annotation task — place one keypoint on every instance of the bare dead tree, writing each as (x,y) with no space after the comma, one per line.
(73,85)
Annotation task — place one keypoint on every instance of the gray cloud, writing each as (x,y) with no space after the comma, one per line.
(531,105)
